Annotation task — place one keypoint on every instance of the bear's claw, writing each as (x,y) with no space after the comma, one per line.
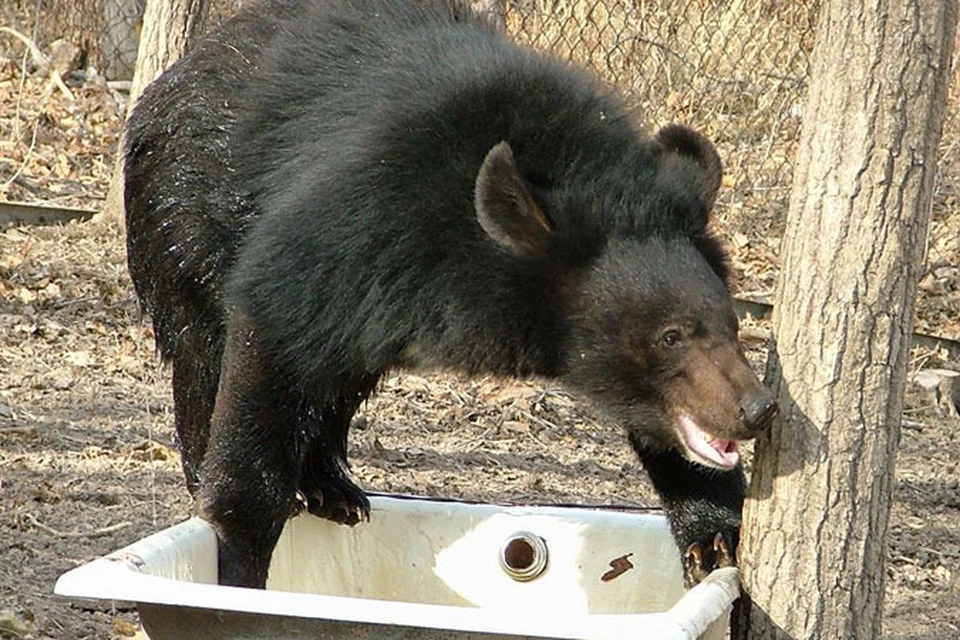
(299,505)
(699,559)
(344,504)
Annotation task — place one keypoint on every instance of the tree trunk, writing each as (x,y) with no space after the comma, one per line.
(815,521)
(169,28)
(495,10)
(118,37)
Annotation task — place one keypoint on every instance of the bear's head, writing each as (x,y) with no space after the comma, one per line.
(649,329)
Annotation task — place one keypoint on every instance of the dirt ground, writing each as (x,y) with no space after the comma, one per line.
(88,461)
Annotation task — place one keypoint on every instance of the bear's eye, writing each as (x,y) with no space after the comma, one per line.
(671,338)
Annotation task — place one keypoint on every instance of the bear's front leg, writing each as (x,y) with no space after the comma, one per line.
(249,476)
(703,506)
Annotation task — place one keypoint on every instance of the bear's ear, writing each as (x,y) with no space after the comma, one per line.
(683,143)
(505,207)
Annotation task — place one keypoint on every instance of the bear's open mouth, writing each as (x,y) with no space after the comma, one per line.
(706,449)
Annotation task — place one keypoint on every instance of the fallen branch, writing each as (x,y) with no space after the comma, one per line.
(96,533)
(38,58)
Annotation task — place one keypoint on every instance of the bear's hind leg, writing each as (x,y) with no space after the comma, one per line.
(196,375)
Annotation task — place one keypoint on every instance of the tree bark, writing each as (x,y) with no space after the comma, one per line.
(169,28)
(815,521)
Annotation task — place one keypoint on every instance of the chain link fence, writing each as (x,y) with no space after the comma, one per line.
(735,69)
(106,32)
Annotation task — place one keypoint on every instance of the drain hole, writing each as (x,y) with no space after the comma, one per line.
(518,554)
(523,556)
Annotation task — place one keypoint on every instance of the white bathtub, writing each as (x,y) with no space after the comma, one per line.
(423,569)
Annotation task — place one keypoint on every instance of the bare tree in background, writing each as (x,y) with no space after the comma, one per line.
(169,29)
(815,522)
(118,38)
(495,10)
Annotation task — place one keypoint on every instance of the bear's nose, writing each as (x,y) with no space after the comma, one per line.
(758,409)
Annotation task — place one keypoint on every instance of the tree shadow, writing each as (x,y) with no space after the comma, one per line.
(790,444)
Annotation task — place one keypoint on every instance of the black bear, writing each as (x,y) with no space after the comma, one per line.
(324,190)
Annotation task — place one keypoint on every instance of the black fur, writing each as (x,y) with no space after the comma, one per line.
(325,190)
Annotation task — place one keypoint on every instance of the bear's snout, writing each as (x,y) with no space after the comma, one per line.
(758,408)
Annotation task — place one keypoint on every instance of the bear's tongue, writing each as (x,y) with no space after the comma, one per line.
(720,451)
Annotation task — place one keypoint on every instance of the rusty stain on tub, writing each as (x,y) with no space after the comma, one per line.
(619,567)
